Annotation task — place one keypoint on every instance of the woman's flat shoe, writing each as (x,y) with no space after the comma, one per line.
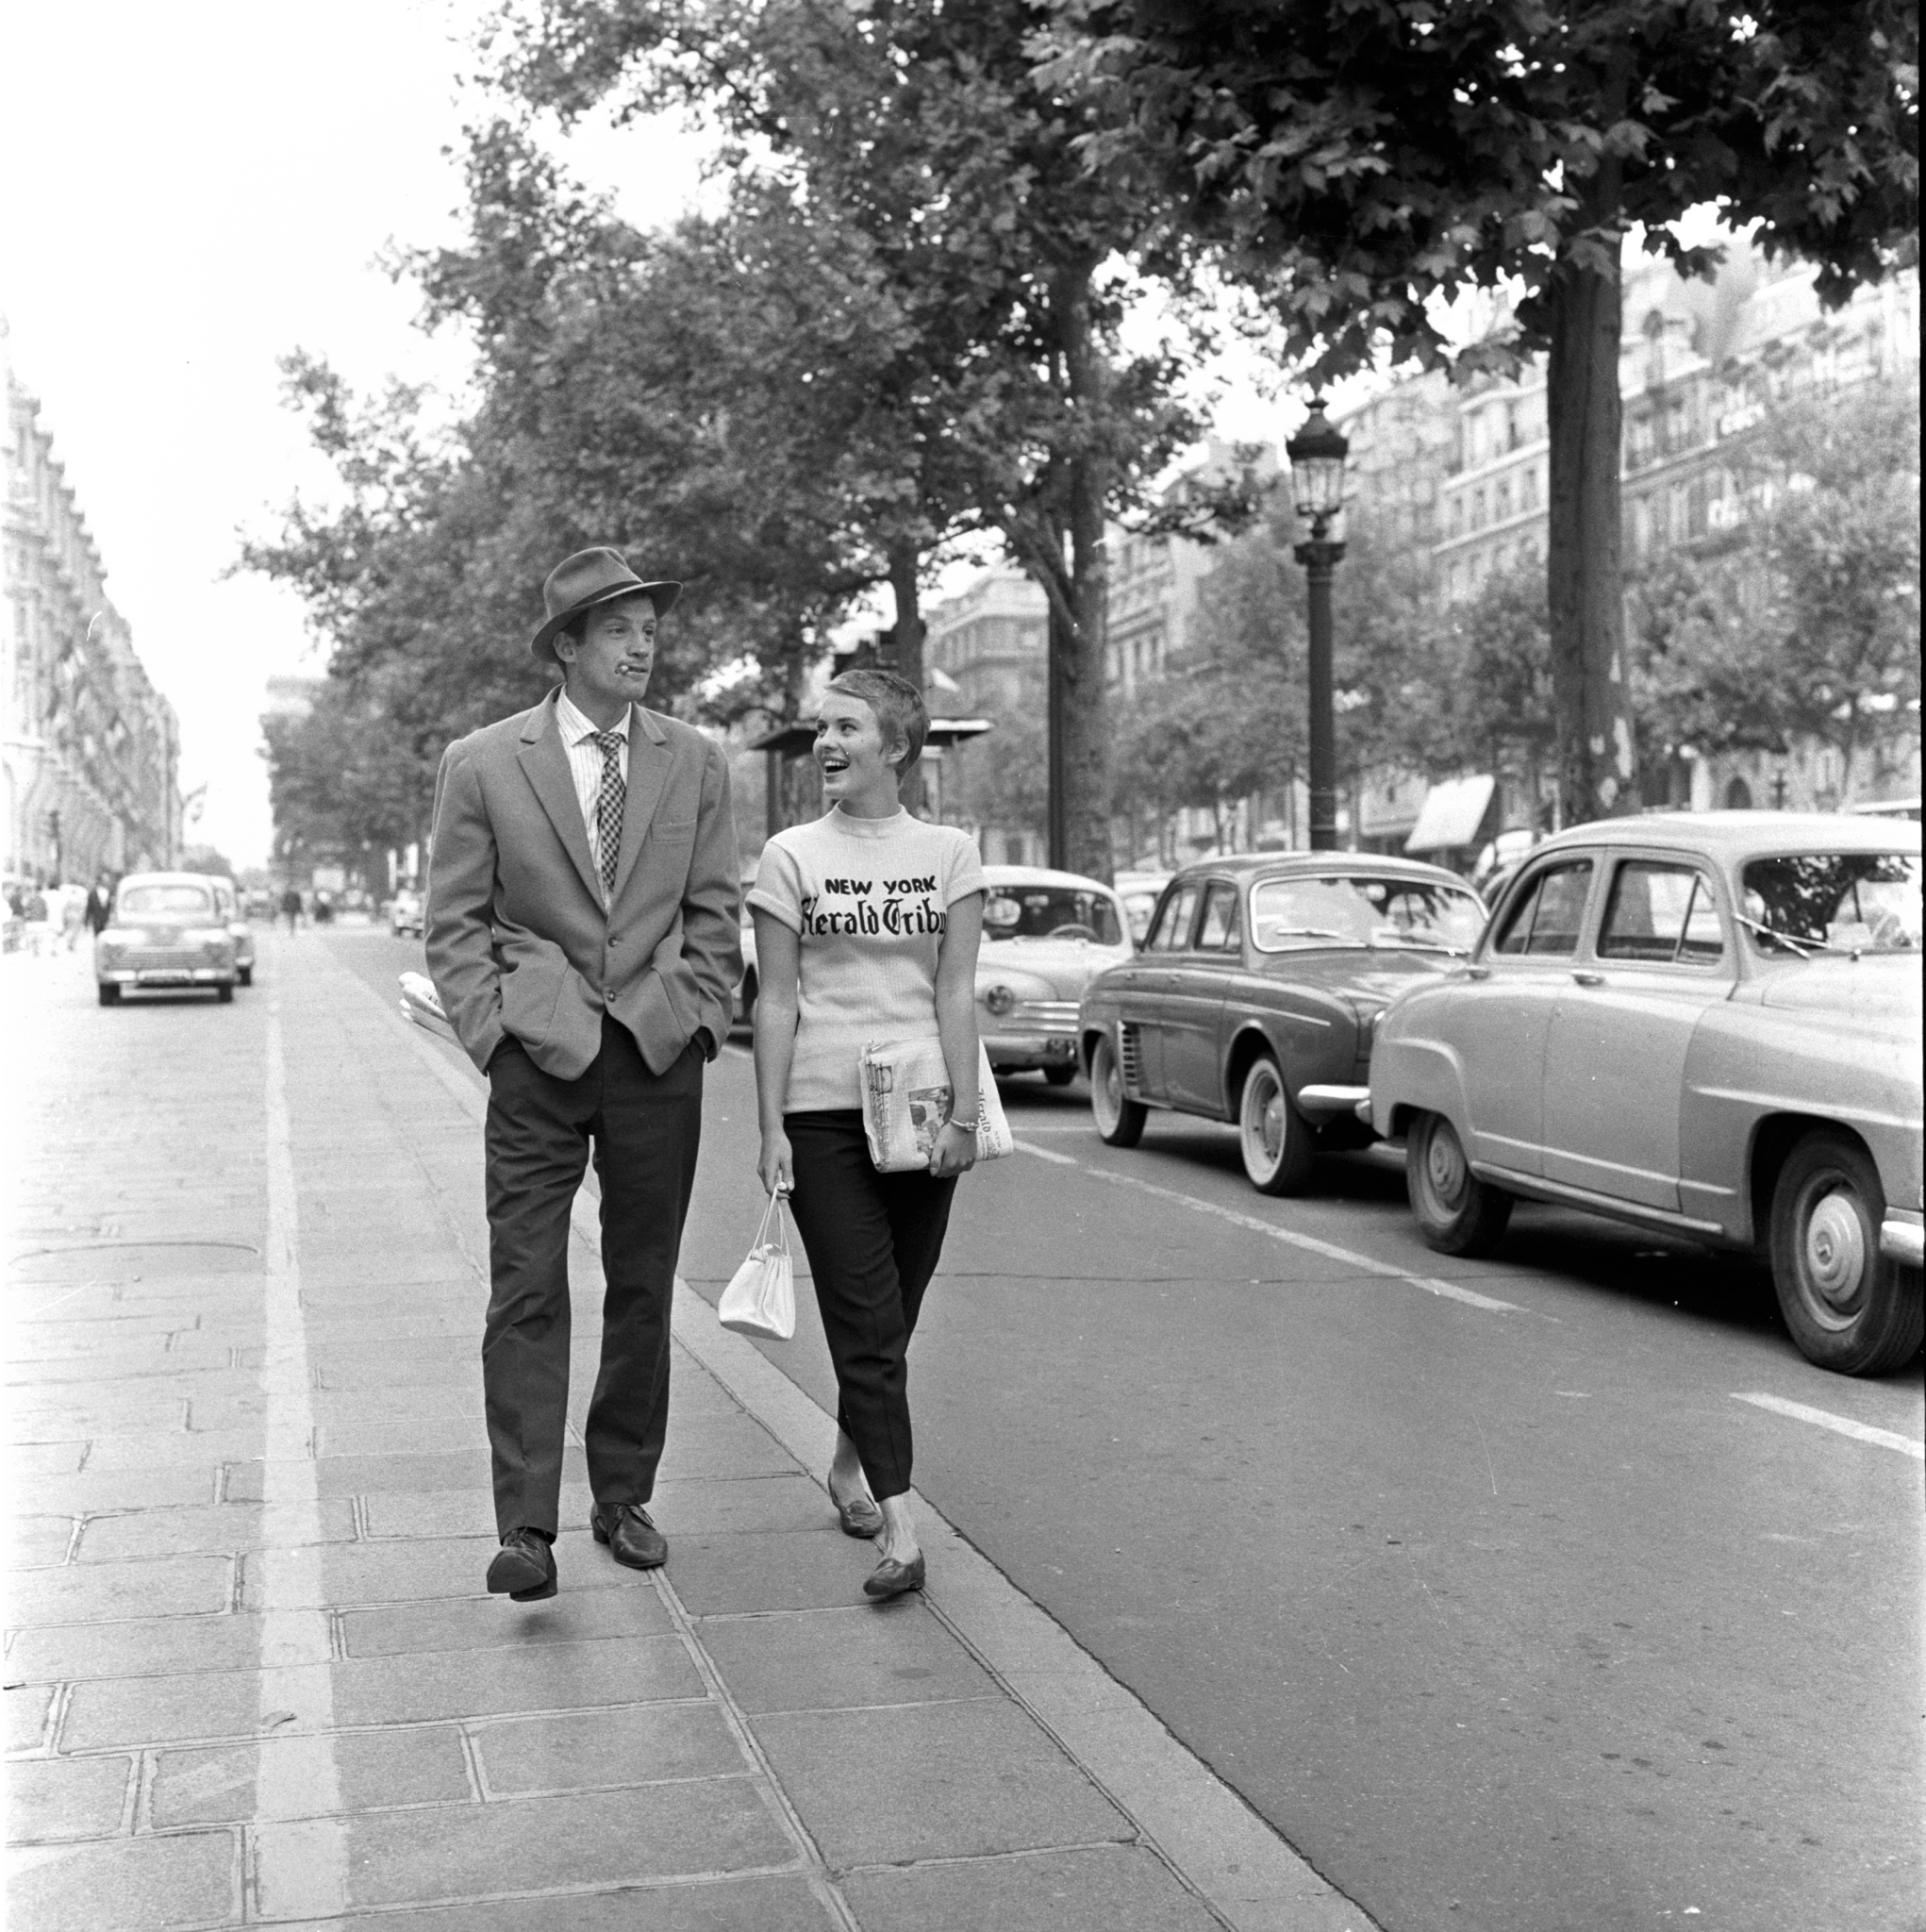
(891,1578)
(858,1515)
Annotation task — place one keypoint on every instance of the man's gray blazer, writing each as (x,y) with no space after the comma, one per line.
(517,939)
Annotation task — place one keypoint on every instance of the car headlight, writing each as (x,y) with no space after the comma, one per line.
(1000,1000)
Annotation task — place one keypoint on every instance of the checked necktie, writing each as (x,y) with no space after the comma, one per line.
(608,809)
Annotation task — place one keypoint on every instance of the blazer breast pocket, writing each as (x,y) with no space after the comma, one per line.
(672,831)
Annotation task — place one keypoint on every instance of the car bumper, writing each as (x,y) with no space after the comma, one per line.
(165,976)
(1326,1102)
(1903,1238)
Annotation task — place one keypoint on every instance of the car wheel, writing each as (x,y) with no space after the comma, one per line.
(1849,1308)
(110,995)
(1119,1119)
(1060,1076)
(1457,1213)
(225,994)
(1273,1136)
(247,976)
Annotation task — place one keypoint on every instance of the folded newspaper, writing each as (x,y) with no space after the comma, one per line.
(421,1003)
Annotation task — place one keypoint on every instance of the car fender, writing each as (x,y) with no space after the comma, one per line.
(1756,1077)
(1413,1066)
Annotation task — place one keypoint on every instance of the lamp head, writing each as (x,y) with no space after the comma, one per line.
(1317,455)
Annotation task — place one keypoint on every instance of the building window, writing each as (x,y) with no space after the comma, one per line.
(1503,499)
(1478,507)
(1529,487)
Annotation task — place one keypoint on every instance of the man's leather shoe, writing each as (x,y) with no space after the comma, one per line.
(891,1578)
(632,1538)
(858,1514)
(524,1567)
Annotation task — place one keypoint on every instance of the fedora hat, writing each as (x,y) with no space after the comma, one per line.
(590,577)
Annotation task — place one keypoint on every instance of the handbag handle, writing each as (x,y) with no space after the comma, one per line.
(775,1207)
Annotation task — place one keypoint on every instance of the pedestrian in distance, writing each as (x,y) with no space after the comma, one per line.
(291,907)
(867,926)
(583,935)
(100,903)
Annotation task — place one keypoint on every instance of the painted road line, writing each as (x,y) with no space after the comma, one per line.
(1349,1257)
(298,1777)
(1840,1424)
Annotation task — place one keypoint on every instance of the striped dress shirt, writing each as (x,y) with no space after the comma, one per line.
(585,764)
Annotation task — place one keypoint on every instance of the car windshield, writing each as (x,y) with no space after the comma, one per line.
(1833,902)
(155,901)
(1050,912)
(1361,910)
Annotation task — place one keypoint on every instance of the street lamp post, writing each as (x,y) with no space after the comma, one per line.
(1317,455)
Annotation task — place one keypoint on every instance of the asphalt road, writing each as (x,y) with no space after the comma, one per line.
(1486,1583)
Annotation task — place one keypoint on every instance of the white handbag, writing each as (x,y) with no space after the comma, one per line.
(760,1298)
(907,1099)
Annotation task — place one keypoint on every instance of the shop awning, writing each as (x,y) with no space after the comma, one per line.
(1453,814)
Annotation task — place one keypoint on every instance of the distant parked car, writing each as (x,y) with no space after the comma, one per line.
(166,932)
(1255,995)
(1046,935)
(229,895)
(405,912)
(1705,1023)
(1140,892)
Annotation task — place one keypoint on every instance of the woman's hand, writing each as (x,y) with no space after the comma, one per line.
(777,1167)
(955,1152)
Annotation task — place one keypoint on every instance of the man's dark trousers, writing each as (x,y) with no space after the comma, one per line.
(645,1128)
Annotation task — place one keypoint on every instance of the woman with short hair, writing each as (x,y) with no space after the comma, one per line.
(867,926)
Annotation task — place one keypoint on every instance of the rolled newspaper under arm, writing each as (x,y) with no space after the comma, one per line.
(421,1003)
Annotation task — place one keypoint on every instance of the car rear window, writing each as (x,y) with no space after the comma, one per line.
(1849,902)
(1550,915)
(1042,912)
(150,902)
(1363,910)
(1661,913)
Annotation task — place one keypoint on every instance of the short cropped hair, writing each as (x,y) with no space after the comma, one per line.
(897,705)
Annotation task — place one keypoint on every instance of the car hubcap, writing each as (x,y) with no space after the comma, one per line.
(1835,1251)
(1108,1090)
(1264,1122)
(1444,1167)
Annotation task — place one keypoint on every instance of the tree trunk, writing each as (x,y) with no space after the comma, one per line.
(1078,644)
(906,642)
(1598,770)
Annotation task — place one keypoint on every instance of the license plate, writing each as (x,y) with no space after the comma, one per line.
(155,976)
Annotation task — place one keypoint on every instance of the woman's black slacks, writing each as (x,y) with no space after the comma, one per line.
(874,1240)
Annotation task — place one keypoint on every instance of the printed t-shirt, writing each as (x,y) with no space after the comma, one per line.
(868,901)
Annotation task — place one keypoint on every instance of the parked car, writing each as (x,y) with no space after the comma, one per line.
(1256,994)
(1707,1023)
(167,930)
(405,912)
(1139,892)
(1046,935)
(228,893)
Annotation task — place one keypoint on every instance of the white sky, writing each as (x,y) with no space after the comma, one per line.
(189,192)
(186,193)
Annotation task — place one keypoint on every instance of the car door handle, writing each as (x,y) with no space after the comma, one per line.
(1589,978)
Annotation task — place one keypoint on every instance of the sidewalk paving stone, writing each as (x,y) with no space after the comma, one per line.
(784,1902)
(52,1798)
(932,1781)
(402,1766)
(591,1675)
(96,1491)
(607,1749)
(152,1646)
(776,1570)
(827,1659)
(39,1542)
(470,1623)
(110,1592)
(28,1708)
(229,1528)
(128,1885)
(146,1449)
(362,1476)
(1111,1889)
(383,1573)
(119,1713)
(529,1844)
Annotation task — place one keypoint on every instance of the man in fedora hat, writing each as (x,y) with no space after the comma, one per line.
(583,933)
